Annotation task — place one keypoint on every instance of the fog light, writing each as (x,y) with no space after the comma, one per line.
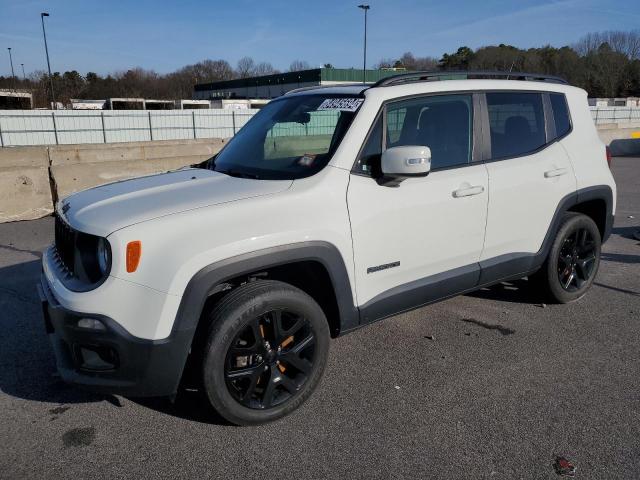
(91,324)
(96,357)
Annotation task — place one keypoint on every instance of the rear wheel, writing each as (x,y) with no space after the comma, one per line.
(266,350)
(573,260)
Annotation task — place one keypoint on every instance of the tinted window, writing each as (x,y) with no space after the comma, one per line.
(291,137)
(395,123)
(443,123)
(516,123)
(560,114)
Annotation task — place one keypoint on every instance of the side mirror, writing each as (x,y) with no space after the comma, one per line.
(400,163)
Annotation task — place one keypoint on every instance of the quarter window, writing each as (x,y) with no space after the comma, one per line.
(516,123)
(560,114)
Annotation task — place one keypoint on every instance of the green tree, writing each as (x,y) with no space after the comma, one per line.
(457,61)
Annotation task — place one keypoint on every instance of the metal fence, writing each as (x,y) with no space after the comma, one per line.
(620,115)
(58,127)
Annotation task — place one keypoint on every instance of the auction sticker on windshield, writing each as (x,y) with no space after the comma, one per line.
(344,104)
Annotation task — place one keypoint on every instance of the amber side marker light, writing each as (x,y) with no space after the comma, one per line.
(134,252)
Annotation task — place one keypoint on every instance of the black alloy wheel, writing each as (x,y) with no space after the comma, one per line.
(572,262)
(270,359)
(577,259)
(264,353)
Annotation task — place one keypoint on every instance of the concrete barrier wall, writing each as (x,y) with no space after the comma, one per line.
(32,179)
(621,141)
(25,191)
(78,167)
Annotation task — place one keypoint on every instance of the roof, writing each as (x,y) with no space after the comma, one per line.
(7,92)
(439,75)
(442,82)
(473,85)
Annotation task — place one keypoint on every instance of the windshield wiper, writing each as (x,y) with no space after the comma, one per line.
(237,173)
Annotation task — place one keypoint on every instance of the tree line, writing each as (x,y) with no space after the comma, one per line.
(606,64)
(137,82)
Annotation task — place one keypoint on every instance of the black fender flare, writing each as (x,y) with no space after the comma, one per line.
(596,192)
(202,284)
(599,192)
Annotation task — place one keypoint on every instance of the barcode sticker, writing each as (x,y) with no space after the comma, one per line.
(344,104)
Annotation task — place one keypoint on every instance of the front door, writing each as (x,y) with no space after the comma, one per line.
(421,240)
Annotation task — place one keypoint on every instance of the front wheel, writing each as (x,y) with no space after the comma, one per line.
(573,260)
(266,350)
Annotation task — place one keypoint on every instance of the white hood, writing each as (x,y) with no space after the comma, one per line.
(105,209)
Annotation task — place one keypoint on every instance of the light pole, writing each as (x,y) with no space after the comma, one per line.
(24,77)
(13,75)
(364,64)
(46,49)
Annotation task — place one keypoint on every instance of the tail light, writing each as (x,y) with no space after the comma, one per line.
(608,156)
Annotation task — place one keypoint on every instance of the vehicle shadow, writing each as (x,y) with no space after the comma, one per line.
(626,232)
(27,364)
(516,291)
(620,258)
(189,405)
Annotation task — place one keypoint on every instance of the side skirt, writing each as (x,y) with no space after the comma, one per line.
(447,285)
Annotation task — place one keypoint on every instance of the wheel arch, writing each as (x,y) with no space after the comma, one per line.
(596,203)
(298,264)
(587,201)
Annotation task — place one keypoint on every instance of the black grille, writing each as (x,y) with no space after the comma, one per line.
(66,245)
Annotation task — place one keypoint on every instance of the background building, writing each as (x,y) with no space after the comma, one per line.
(615,102)
(11,99)
(272,86)
(84,104)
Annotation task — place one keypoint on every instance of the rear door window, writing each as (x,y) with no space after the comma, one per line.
(516,121)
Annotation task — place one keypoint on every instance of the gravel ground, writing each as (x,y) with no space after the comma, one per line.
(488,385)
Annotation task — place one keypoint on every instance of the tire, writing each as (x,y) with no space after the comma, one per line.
(575,251)
(246,379)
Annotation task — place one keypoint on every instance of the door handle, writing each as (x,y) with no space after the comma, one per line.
(468,191)
(555,173)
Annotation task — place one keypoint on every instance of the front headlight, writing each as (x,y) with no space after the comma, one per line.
(104,256)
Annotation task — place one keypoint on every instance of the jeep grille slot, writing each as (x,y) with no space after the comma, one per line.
(65,241)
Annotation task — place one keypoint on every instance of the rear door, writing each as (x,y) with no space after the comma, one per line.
(529,174)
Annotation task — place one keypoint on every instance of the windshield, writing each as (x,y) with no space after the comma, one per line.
(292,137)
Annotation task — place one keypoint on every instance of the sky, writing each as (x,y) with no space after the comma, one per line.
(107,36)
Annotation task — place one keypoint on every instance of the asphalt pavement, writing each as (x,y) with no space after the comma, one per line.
(489,385)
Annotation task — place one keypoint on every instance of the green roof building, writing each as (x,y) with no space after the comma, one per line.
(272,86)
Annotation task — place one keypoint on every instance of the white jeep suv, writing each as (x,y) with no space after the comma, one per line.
(331,209)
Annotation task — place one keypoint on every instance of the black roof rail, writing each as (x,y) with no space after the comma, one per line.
(464,75)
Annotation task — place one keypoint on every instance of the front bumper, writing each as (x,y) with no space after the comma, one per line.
(112,360)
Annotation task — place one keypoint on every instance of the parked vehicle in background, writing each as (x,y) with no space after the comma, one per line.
(331,209)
